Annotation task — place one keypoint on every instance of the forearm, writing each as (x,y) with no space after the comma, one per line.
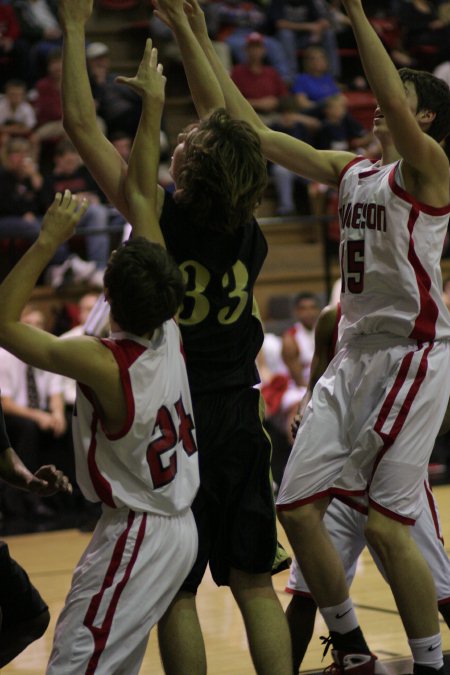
(13,470)
(78,103)
(205,89)
(16,289)
(80,120)
(380,71)
(236,104)
(10,407)
(141,183)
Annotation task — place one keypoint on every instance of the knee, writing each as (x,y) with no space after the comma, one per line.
(301,521)
(384,534)
(246,586)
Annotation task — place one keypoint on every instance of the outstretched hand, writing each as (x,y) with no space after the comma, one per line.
(48,480)
(166,10)
(149,78)
(62,217)
(73,12)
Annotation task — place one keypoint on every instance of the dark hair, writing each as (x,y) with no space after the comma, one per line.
(223,174)
(305,295)
(15,82)
(144,286)
(432,94)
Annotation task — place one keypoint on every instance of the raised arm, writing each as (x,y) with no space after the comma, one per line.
(141,184)
(205,89)
(79,114)
(320,165)
(81,358)
(423,154)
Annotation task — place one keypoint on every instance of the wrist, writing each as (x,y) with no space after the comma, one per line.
(46,245)
(74,30)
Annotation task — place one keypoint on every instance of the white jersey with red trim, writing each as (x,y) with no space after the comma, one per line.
(390,253)
(151,464)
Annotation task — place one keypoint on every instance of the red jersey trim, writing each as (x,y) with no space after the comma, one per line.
(348,166)
(347,499)
(420,206)
(300,502)
(302,594)
(101,634)
(126,352)
(391,514)
(425,323)
(101,484)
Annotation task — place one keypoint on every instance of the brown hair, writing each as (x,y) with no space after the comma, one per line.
(223,174)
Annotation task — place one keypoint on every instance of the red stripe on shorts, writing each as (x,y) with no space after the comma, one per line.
(101,634)
(390,514)
(390,438)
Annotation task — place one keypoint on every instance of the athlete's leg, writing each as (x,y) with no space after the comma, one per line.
(301,615)
(324,573)
(265,622)
(180,638)
(322,567)
(409,577)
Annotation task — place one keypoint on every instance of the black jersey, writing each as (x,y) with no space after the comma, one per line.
(219,321)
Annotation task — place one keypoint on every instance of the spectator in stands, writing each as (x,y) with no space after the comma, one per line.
(48,108)
(261,85)
(123,143)
(118,106)
(422,26)
(340,130)
(300,24)
(235,20)
(69,173)
(286,183)
(21,205)
(315,83)
(40,28)
(286,373)
(13,50)
(298,342)
(33,405)
(17,116)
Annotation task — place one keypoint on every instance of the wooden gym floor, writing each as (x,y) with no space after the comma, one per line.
(49,558)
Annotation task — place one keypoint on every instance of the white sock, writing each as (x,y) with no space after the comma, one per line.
(340,618)
(427,651)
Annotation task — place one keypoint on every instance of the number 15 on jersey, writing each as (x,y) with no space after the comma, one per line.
(352,266)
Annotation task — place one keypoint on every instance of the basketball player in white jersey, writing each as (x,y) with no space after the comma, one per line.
(134,438)
(346,525)
(368,432)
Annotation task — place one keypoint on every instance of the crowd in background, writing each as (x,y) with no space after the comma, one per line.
(294,60)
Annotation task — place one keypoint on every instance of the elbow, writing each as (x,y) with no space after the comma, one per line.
(72,123)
